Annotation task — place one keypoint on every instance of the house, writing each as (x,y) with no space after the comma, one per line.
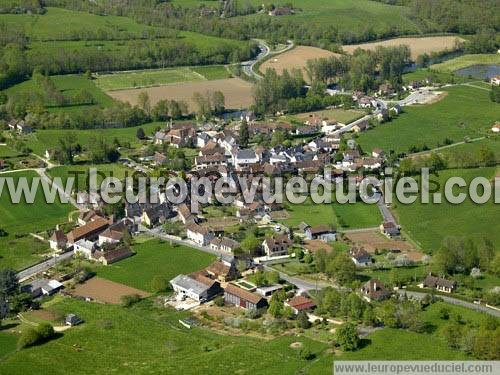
(88,231)
(267,291)
(222,272)
(320,232)
(206,161)
(84,248)
(42,287)
(389,228)
(198,234)
(248,116)
(196,287)
(107,257)
(87,216)
(159,159)
(385,89)
(438,283)
(377,152)
(156,215)
(300,303)
(281,11)
(496,128)
(20,127)
(72,320)
(113,234)
(375,290)
(371,163)
(184,214)
(224,244)
(243,158)
(277,245)
(361,127)
(360,257)
(58,240)
(202,140)
(495,80)
(243,298)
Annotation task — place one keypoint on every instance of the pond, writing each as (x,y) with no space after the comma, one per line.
(479,71)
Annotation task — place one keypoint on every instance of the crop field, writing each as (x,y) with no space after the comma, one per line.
(466,61)
(429,224)
(341,115)
(464,112)
(374,240)
(296,58)
(144,339)
(237,92)
(43,139)
(105,291)
(418,46)
(155,258)
(157,77)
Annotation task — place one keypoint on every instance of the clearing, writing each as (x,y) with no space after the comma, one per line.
(418,46)
(295,58)
(237,92)
(106,291)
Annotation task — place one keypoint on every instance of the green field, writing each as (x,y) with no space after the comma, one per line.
(465,61)
(358,215)
(24,218)
(155,258)
(452,153)
(429,224)
(341,115)
(42,140)
(156,77)
(465,111)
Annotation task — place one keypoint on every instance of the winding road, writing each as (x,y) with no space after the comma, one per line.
(265,51)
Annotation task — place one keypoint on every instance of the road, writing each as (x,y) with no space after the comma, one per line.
(454,301)
(43,266)
(349,127)
(248,66)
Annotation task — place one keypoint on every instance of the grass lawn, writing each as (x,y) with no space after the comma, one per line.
(465,111)
(417,272)
(144,339)
(42,140)
(155,77)
(358,215)
(341,115)
(452,153)
(429,224)
(465,61)
(154,258)
(7,344)
(108,170)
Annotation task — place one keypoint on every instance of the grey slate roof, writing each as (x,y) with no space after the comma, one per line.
(186,282)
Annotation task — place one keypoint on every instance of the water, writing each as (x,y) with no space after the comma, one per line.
(479,71)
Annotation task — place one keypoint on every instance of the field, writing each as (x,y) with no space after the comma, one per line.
(144,339)
(374,240)
(237,92)
(155,258)
(106,291)
(418,46)
(42,139)
(429,224)
(472,148)
(295,59)
(22,219)
(465,111)
(347,216)
(465,61)
(157,77)
(341,115)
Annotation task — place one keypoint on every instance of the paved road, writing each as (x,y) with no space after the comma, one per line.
(349,127)
(43,266)
(384,210)
(454,301)
(248,66)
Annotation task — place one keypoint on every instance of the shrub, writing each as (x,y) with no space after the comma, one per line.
(28,338)
(130,300)
(219,301)
(46,331)
(159,284)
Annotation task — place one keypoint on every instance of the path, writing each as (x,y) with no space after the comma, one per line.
(445,147)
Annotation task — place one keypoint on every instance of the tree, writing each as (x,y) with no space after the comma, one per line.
(495,93)
(159,284)
(218,102)
(144,102)
(140,133)
(303,320)
(244,134)
(342,269)
(9,284)
(250,244)
(346,336)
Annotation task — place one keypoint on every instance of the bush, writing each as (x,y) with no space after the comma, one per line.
(159,284)
(28,338)
(130,300)
(219,301)
(306,354)
(46,331)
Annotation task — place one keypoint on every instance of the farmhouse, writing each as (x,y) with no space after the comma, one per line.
(360,257)
(112,235)
(375,290)
(88,231)
(224,244)
(198,234)
(320,232)
(196,287)
(439,283)
(58,240)
(300,303)
(277,245)
(107,257)
(222,272)
(243,298)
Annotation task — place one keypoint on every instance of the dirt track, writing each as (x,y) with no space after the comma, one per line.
(237,92)
(418,45)
(106,291)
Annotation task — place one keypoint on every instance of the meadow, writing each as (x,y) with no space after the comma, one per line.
(451,154)
(156,77)
(465,61)
(341,115)
(155,258)
(464,112)
(429,224)
(22,250)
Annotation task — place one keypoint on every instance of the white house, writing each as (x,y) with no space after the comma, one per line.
(58,240)
(196,287)
(198,234)
(496,128)
(84,248)
(243,158)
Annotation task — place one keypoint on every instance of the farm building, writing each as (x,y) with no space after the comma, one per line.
(300,303)
(196,287)
(243,298)
(320,232)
